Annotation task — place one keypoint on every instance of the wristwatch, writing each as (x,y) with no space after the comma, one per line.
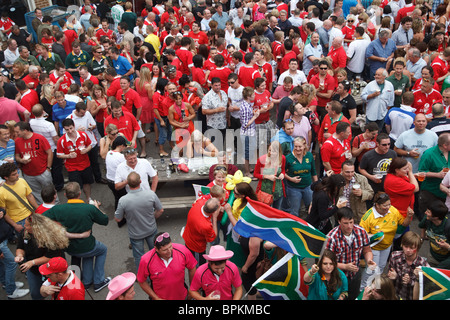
(408,153)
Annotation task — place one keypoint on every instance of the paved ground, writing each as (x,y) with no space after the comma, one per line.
(119,258)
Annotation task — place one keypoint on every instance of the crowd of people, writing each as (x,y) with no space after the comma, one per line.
(273,81)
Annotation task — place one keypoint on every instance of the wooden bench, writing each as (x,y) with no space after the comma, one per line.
(177,202)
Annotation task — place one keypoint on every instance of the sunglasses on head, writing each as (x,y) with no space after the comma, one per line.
(161,237)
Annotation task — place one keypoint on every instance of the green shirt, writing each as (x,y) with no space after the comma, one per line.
(433,160)
(49,64)
(434,234)
(77,217)
(73,61)
(31,61)
(403,84)
(305,170)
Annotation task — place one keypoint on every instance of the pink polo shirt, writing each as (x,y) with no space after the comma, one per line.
(205,279)
(10,108)
(167,280)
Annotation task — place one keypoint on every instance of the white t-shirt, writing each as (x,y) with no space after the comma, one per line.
(143,168)
(235,95)
(84,122)
(298,78)
(112,161)
(357,54)
(45,128)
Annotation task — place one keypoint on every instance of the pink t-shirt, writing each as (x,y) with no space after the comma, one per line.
(167,280)
(205,279)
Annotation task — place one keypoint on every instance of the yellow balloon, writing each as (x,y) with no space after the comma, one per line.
(238,177)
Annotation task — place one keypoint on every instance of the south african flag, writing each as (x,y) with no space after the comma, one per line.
(434,284)
(283,229)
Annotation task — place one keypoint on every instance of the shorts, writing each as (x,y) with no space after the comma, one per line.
(82,177)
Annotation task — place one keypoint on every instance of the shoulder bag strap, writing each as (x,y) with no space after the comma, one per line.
(19,198)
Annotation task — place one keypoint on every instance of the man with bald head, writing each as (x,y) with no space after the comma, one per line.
(412,143)
(324,34)
(337,54)
(140,207)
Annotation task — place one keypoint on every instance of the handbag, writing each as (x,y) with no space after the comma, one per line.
(265,197)
(263,266)
(26,205)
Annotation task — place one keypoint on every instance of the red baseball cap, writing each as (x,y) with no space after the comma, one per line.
(54,265)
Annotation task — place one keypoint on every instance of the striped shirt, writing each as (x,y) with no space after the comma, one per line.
(348,249)
(7,152)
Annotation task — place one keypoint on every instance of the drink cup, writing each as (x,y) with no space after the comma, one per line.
(26,156)
(421,176)
(356,186)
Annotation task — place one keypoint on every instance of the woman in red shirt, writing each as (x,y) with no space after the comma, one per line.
(400,184)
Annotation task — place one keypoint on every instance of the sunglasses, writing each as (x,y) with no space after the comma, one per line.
(130,151)
(161,237)
(114,133)
(288,120)
(230,83)
(217,168)
(323,68)
(351,21)
(385,144)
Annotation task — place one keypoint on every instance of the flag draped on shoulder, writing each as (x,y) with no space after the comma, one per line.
(283,229)
(434,284)
(283,281)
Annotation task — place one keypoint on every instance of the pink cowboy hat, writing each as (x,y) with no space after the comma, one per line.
(120,284)
(217,253)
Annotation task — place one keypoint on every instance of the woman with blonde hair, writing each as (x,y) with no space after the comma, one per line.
(309,100)
(47,99)
(42,240)
(370,30)
(270,170)
(18,72)
(105,142)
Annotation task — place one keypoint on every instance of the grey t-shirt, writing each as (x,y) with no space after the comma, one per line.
(138,207)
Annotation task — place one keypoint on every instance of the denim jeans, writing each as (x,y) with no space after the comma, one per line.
(35,282)
(138,248)
(165,133)
(295,197)
(7,268)
(93,273)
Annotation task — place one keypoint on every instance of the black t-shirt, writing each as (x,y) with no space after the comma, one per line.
(348,103)
(373,161)
(284,106)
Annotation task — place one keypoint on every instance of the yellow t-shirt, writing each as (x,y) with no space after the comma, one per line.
(235,208)
(373,223)
(14,208)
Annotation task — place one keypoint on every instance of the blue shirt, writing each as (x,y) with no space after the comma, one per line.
(347,4)
(7,152)
(59,114)
(375,48)
(122,66)
(221,20)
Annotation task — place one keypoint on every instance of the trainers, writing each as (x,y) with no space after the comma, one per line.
(18,285)
(18,293)
(101,285)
